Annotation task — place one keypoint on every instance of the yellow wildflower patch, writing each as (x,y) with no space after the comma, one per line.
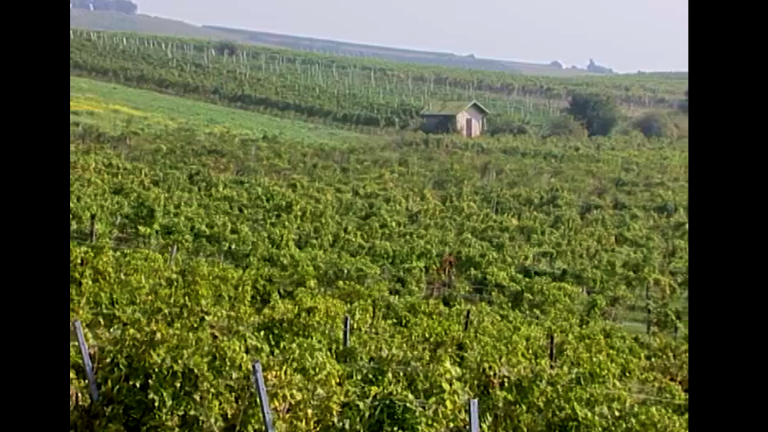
(93,104)
(126,110)
(75,106)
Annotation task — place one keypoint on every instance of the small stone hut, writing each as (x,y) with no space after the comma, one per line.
(466,118)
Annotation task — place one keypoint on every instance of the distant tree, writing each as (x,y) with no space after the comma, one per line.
(597,112)
(103,5)
(655,125)
(226,48)
(126,7)
(564,126)
(595,68)
(556,64)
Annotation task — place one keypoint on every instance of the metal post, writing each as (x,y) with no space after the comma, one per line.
(93,228)
(346,331)
(261,392)
(173,255)
(86,361)
(474,416)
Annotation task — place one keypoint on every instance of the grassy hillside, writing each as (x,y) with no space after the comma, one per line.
(111,105)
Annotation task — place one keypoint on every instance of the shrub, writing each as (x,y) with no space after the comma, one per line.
(655,125)
(502,127)
(564,126)
(598,113)
(226,48)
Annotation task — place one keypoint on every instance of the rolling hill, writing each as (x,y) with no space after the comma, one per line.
(113,21)
(395,54)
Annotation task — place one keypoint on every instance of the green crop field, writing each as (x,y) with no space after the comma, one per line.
(204,237)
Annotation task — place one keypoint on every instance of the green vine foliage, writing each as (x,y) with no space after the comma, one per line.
(277,241)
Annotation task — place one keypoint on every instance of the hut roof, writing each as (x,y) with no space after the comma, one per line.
(451,108)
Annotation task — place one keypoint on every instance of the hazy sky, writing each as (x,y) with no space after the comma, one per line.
(626,35)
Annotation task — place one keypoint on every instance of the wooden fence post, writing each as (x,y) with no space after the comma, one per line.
(261,392)
(92,389)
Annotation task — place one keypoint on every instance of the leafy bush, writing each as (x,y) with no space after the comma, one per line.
(226,48)
(655,125)
(597,112)
(506,127)
(564,126)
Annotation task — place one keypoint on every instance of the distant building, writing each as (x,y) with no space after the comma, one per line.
(466,118)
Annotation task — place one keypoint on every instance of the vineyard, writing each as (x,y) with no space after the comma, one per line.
(347,91)
(198,247)
(284,191)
